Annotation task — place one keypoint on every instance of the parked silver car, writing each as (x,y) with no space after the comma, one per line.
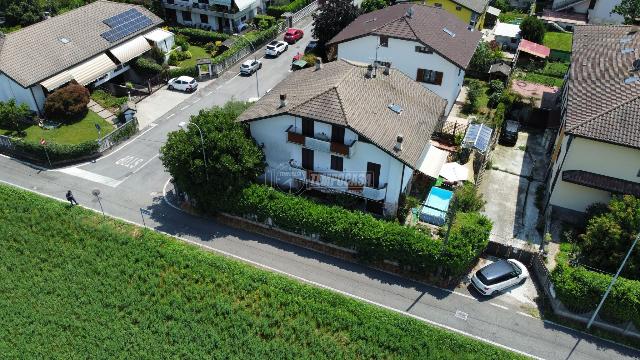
(275,48)
(183,83)
(499,275)
(250,66)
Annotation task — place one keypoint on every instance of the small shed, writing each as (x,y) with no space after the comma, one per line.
(507,35)
(478,137)
(534,49)
(500,71)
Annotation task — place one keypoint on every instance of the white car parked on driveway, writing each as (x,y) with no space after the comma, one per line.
(250,66)
(499,275)
(275,48)
(183,83)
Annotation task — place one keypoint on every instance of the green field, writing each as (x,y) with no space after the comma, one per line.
(75,285)
(78,132)
(196,53)
(558,41)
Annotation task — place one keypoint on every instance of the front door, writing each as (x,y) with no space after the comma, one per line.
(373,175)
(307,159)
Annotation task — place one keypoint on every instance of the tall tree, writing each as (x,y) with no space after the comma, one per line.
(368,6)
(630,10)
(233,159)
(532,29)
(333,16)
(23,12)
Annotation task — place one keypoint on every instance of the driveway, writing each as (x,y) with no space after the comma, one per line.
(509,188)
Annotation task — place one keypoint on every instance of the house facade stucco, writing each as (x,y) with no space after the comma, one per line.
(33,96)
(403,56)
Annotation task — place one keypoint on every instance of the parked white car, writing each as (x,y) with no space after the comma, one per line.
(183,83)
(499,275)
(275,48)
(250,66)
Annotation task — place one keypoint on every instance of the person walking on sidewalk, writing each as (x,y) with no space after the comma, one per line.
(71,199)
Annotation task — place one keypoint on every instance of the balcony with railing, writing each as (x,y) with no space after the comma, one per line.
(320,144)
(205,8)
(559,5)
(333,181)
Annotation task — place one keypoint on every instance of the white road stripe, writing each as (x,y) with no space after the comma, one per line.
(143,165)
(527,315)
(196,100)
(499,306)
(209,93)
(87,175)
(170,116)
(184,107)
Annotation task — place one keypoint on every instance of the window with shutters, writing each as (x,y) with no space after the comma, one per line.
(384,41)
(336,163)
(429,76)
(186,16)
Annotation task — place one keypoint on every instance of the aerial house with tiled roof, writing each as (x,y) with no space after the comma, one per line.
(597,151)
(428,44)
(342,128)
(91,44)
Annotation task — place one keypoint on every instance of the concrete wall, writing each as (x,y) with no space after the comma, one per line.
(33,97)
(403,56)
(278,152)
(601,13)
(596,157)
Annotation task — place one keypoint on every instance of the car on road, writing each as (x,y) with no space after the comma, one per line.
(275,48)
(509,133)
(293,35)
(250,66)
(183,83)
(498,276)
(311,46)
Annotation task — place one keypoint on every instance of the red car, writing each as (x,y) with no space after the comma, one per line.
(293,35)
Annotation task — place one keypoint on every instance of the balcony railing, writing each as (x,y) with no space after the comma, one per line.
(316,143)
(332,181)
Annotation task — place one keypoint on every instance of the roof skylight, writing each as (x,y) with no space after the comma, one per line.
(449,32)
(395,108)
(631,80)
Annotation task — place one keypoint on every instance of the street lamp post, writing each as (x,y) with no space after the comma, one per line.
(253,49)
(183,126)
(613,281)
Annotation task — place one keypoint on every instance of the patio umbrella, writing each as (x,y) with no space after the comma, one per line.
(454,172)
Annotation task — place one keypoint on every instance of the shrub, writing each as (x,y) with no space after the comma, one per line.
(310,59)
(177,56)
(467,199)
(107,100)
(147,66)
(183,71)
(157,55)
(199,36)
(498,116)
(67,104)
(264,22)
(12,114)
(468,237)
(532,29)
(56,152)
(210,47)
(295,5)
(181,41)
(474,93)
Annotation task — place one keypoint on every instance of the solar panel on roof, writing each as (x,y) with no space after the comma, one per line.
(125,24)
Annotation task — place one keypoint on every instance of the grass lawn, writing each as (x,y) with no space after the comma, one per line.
(512,16)
(81,131)
(74,284)
(196,53)
(558,41)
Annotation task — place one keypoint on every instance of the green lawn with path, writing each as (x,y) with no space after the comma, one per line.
(197,52)
(558,41)
(78,132)
(75,283)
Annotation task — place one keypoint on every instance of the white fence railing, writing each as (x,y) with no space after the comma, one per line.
(300,14)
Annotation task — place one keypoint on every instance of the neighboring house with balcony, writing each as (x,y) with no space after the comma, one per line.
(597,150)
(597,11)
(91,45)
(217,15)
(471,12)
(342,128)
(428,44)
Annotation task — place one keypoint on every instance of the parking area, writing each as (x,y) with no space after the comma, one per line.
(509,187)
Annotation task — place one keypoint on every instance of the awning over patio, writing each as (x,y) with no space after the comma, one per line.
(157,35)
(83,73)
(131,49)
(433,162)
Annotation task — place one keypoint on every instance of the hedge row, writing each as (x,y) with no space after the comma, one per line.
(295,5)
(581,290)
(373,239)
(147,66)
(256,38)
(199,36)
(56,152)
(183,71)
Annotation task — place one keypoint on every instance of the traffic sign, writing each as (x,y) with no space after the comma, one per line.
(145,211)
(43,141)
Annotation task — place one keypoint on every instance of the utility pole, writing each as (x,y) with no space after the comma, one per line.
(613,281)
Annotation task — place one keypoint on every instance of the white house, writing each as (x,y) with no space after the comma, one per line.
(343,128)
(217,15)
(91,45)
(507,35)
(597,151)
(598,11)
(428,44)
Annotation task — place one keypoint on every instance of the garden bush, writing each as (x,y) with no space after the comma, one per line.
(183,71)
(107,100)
(177,56)
(199,36)
(12,115)
(498,116)
(295,5)
(466,198)
(263,22)
(56,152)
(147,66)
(182,42)
(67,104)
(474,93)
(468,237)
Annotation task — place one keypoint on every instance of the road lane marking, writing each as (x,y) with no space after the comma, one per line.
(209,93)
(184,107)
(170,116)
(499,306)
(151,126)
(87,175)
(527,315)
(196,100)
(461,315)
(130,162)
(143,165)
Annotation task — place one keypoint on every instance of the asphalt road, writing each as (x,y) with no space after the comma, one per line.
(132,177)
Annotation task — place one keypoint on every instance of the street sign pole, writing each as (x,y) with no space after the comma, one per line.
(142,212)
(43,142)
(96,193)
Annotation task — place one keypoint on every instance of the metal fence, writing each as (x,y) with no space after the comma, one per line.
(300,14)
(118,135)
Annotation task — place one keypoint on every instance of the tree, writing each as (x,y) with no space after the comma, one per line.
(467,199)
(12,114)
(483,57)
(234,160)
(532,29)
(333,16)
(503,5)
(68,103)
(23,12)
(368,6)
(609,235)
(629,9)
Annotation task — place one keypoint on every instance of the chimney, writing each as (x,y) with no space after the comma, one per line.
(399,140)
(318,64)
(387,69)
(369,74)
(283,100)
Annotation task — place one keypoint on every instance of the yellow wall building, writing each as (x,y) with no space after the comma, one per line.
(470,11)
